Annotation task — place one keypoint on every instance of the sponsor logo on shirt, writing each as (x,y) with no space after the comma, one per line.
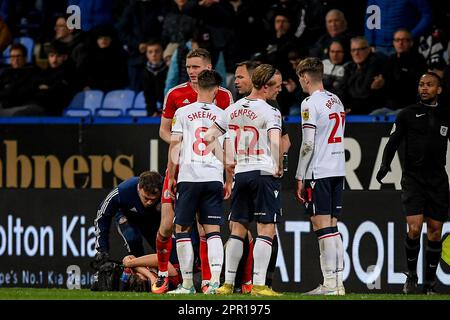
(186,101)
(444,131)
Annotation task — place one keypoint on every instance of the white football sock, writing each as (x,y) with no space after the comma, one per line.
(340,259)
(215,256)
(233,255)
(328,260)
(261,257)
(185,253)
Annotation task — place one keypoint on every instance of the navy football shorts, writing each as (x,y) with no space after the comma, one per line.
(324,196)
(255,196)
(206,198)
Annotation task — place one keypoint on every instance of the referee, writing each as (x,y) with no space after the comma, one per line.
(425,190)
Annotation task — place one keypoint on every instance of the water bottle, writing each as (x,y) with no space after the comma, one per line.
(124,279)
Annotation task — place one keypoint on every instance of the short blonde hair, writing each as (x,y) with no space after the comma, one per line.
(263,74)
(200,53)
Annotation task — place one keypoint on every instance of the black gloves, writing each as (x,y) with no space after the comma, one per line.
(100,258)
(382,173)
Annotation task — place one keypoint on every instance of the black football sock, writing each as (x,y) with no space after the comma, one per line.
(432,257)
(412,247)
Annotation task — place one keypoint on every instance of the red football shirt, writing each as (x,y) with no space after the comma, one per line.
(183,94)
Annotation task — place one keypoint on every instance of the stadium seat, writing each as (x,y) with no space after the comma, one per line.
(85,103)
(133,112)
(139,106)
(139,101)
(116,103)
(27,42)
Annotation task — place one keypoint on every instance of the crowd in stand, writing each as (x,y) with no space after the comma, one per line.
(372,61)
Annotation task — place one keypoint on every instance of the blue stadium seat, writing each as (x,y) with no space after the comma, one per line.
(85,103)
(133,112)
(27,42)
(116,103)
(139,107)
(139,101)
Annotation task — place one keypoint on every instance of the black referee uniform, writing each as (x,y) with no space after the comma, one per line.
(425,131)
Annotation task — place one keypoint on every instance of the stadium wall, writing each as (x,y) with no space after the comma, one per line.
(54,176)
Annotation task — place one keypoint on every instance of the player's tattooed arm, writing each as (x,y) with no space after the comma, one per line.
(306,153)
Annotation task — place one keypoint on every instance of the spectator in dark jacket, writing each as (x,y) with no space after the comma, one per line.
(16,85)
(55,86)
(363,79)
(245,27)
(308,14)
(105,66)
(73,39)
(178,25)
(403,70)
(154,78)
(281,42)
(336,26)
(141,21)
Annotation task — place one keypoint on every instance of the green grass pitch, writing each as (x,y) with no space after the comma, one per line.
(84,294)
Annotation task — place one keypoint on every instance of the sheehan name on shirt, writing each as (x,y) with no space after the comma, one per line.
(244,112)
(202,115)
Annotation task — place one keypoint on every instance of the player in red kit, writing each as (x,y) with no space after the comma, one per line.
(197,60)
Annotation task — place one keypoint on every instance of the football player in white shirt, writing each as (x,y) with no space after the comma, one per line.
(255,128)
(199,187)
(321,170)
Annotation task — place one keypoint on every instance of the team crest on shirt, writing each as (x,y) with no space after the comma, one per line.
(305,115)
(444,131)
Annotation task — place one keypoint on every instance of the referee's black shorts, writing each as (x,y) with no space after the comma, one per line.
(426,193)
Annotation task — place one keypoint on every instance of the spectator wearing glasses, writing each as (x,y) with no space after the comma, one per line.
(363,80)
(16,85)
(402,73)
